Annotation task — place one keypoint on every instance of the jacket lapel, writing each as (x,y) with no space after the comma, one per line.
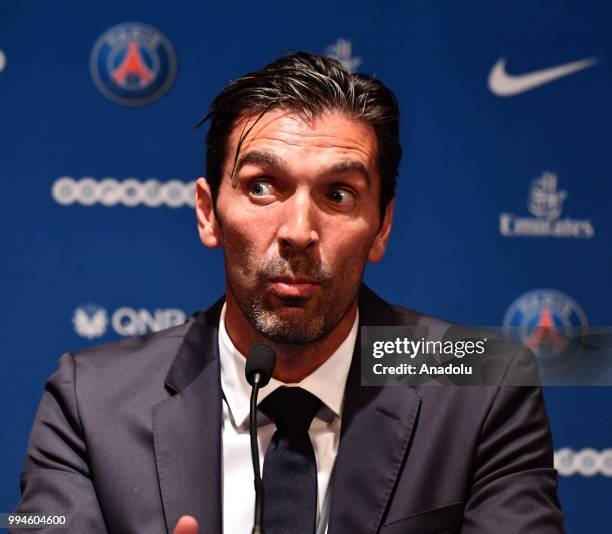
(377,427)
(187,429)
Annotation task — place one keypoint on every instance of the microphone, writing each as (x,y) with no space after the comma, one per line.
(259,367)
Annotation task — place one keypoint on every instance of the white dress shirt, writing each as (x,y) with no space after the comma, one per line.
(326,382)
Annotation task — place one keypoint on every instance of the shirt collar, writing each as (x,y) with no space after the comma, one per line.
(327,382)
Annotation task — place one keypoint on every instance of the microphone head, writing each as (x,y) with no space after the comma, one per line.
(261,359)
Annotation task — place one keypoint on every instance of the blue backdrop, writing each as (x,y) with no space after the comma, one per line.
(504,195)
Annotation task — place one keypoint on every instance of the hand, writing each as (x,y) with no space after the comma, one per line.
(186,525)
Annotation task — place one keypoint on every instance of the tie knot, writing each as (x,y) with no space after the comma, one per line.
(291,408)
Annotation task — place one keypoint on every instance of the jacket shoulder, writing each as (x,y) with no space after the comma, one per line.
(145,347)
(129,368)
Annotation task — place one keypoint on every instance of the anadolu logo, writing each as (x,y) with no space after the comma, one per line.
(92,321)
(133,64)
(545,203)
(536,319)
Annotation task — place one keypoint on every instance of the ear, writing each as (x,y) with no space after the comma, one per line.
(208,226)
(379,245)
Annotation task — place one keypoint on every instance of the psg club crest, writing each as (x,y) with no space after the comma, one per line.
(133,64)
(541,320)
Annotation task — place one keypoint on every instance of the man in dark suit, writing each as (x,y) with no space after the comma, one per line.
(148,434)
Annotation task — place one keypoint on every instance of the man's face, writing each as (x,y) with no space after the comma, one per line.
(298,220)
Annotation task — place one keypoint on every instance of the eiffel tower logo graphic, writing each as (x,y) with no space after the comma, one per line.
(544,340)
(133,70)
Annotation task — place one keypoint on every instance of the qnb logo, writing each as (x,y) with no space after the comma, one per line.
(342,51)
(129,192)
(2,60)
(92,321)
(587,462)
(545,203)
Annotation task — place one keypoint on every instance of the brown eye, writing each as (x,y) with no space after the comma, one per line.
(341,196)
(260,189)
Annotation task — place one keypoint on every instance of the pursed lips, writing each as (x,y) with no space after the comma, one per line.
(293,287)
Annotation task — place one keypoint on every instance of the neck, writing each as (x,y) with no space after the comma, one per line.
(293,362)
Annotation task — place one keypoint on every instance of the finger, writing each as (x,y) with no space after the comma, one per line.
(186,525)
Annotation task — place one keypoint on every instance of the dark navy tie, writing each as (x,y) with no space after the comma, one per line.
(290,469)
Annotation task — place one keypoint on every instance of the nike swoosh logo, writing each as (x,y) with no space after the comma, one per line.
(503,84)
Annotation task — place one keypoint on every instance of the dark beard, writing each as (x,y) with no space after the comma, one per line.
(296,325)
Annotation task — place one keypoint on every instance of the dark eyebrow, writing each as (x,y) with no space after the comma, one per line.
(268,159)
(259,157)
(350,165)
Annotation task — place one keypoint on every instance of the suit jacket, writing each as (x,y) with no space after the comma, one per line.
(127,439)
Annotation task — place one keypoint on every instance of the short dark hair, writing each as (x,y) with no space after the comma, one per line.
(306,84)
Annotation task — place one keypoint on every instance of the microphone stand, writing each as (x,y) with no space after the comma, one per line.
(258,371)
(257,528)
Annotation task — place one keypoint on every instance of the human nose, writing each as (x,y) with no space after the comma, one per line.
(299,226)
